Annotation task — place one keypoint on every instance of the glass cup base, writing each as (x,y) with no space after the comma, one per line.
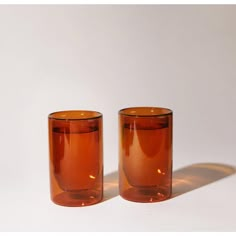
(78,199)
(146,195)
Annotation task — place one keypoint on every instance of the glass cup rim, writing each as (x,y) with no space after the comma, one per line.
(61,115)
(162,111)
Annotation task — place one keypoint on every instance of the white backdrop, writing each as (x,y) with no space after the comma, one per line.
(106,58)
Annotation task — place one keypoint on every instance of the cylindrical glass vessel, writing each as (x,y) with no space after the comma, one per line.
(145,154)
(76,157)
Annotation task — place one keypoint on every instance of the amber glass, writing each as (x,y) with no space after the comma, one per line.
(145,154)
(76,157)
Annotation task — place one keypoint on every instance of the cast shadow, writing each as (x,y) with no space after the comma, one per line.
(198,175)
(110,186)
(184,180)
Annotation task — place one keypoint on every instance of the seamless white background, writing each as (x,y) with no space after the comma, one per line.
(105,58)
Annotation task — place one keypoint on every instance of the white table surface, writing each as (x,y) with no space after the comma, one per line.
(198,206)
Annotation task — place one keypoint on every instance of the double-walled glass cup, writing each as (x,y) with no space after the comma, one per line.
(145,154)
(76,157)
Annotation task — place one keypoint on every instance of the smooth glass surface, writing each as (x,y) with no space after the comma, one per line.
(145,154)
(76,157)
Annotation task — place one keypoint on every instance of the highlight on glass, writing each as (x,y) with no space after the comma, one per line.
(76,157)
(145,154)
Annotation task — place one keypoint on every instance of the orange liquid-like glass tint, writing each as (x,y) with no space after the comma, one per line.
(145,163)
(76,157)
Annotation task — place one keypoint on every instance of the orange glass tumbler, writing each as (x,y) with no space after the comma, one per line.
(145,154)
(76,157)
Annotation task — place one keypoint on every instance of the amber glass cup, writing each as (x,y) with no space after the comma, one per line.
(145,154)
(76,157)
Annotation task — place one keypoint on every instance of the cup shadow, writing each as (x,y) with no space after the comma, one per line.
(198,175)
(184,180)
(110,186)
